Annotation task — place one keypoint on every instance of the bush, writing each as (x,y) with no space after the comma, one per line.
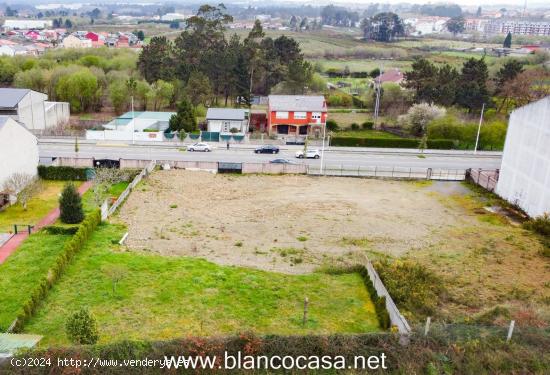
(539,225)
(368,125)
(70,205)
(81,328)
(332,125)
(379,302)
(440,144)
(354,126)
(415,289)
(62,173)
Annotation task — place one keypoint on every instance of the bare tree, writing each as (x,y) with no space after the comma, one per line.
(23,186)
(115,272)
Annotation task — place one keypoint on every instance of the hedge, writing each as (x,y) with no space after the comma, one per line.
(58,229)
(62,173)
(440,144)
(73,246)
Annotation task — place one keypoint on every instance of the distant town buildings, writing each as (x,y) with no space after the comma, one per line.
(26,24)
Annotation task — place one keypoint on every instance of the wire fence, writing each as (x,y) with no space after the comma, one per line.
(413,173)
(486,178)
(456,333)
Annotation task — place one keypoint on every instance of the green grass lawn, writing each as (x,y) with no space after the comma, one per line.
(365,134)
(37,207)
(166,297)
(88,199)
(20,273)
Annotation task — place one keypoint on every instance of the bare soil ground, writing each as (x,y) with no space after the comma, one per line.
(290,224)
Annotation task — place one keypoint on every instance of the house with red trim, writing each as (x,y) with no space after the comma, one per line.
(92,36)
(296,115)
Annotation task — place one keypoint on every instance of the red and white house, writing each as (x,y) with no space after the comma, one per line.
(296,115)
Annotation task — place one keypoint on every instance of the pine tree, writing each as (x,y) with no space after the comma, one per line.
(507,41)
(184,119)
(70,205)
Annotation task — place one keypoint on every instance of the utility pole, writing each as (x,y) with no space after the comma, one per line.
(323,146)
(133,122)
(378,87)
(479,127)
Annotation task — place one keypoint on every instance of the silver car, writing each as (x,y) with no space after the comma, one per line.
(205,147)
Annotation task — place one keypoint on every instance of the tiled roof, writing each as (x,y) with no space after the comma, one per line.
(225,114)
(297,103)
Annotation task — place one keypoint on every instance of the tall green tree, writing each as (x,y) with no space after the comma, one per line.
(507,41)
(383,27)
(472,90)
(455,25)
(156,60)
(184,119)
(198,89)
(70,205)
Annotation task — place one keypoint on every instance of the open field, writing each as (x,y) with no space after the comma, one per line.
(296,224)
(167,297)
(37,207)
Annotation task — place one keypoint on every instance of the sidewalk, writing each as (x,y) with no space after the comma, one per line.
(16,240)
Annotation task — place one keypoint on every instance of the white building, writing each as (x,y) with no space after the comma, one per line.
(525,173)
(72,41)
(26,24)
(32,109)
(222,120)
(18,152)
(173,17)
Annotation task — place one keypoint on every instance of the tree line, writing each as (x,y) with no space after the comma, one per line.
(211,66)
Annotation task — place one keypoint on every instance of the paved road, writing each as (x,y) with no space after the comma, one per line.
(333,157)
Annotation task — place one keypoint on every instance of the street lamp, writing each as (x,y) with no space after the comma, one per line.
(479,128)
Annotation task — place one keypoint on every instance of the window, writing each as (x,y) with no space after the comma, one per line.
(316,115)
(300,115)
(281,115)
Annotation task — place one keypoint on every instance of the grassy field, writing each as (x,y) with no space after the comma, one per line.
(164,297)
(345,120)
(20,273)
(37,207)
(362,65)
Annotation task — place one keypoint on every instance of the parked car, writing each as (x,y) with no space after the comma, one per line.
(310,154)
(267,149)
(200,147)
(282,161)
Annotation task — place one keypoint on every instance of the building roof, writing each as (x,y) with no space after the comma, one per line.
(10,343)
(225,114)
(9,98)
(392,75)
(297,103)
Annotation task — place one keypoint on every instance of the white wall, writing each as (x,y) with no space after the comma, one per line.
(117,135)
(57,113)
(31,112)
(525,173)
(18,151)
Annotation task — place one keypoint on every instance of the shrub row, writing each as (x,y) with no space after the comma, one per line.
(58,229)
(439,144)
(74,245)
(62,173)
(436,354)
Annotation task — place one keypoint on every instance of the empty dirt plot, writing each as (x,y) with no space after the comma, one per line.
(290,224)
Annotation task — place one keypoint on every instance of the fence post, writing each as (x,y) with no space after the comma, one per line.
(429,174)
(15,228)
(375,168)
(427,326)
(304,319)
(510,330)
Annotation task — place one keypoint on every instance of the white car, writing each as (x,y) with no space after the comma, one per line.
(310,154)
(199,147)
